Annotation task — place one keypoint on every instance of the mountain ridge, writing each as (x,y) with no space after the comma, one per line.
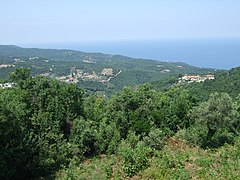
(31,52)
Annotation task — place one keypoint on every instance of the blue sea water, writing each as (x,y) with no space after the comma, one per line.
(211,53)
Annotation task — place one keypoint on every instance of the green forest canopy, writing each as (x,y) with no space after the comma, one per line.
(46,125)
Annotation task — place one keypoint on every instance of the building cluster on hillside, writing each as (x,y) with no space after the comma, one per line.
(107,72)
(196,78)
(76,75)
(33,58)
(6,85)
(6,65)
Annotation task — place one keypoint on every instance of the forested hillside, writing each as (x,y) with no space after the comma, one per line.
(95,72)
(51,129)
(226,81)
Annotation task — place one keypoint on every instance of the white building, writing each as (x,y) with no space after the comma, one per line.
(6,85)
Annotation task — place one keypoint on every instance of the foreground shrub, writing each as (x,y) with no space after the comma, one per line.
(134,159)
(156,139)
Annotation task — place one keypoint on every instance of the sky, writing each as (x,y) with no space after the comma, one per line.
(51,21)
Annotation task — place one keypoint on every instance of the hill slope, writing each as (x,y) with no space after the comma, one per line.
(225,81)
(93,71)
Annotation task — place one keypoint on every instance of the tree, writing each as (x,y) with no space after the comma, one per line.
(130,110)
(20,74)
(215,114)
(236,123)
(94,108)
(35,123)
(17,144)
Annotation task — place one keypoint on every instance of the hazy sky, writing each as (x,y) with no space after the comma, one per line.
(39,21)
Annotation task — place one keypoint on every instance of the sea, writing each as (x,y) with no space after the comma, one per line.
(208,53)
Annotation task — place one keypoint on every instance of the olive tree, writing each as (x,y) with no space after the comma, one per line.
(215,114)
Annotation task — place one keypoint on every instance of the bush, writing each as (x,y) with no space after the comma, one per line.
(193,135)
(134,159)
(155,139)
(196,135)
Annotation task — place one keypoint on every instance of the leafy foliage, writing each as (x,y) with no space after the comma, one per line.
(35,120)
(177,160)
(134,158)
(156,139)
(51,128)
(216,114)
